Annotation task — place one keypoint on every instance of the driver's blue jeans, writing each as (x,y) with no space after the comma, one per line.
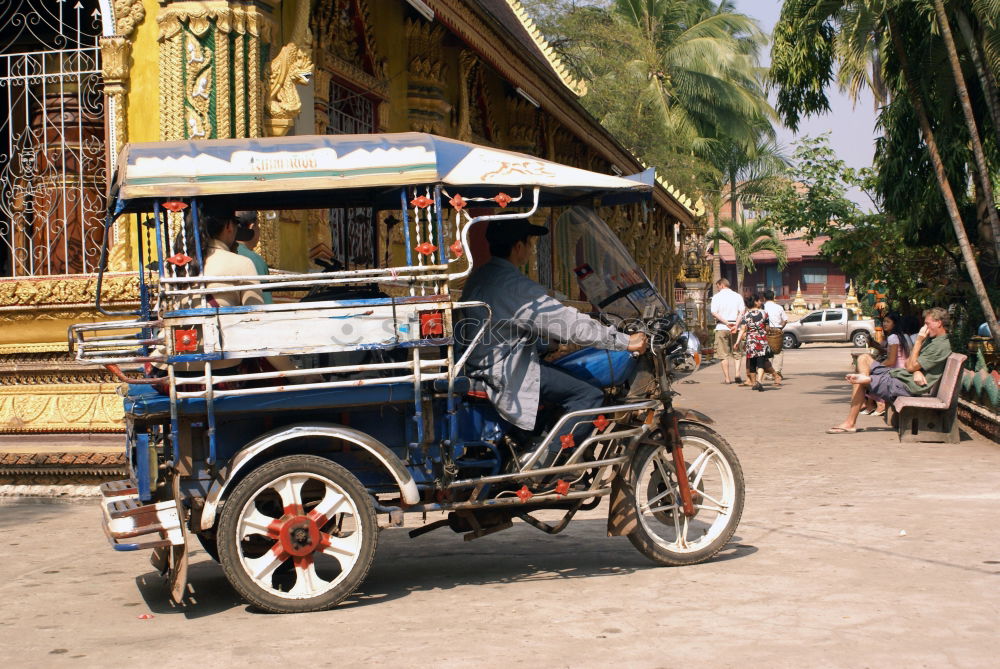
(572,394)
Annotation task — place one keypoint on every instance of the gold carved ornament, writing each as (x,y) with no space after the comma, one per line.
(61,408)
(428,108)
(76,291)
(184,101)
(344,49)
(292,67)
(128,15)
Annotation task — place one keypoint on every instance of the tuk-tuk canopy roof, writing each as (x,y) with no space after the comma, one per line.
(298,171)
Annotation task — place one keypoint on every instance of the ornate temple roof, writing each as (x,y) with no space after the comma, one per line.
(532,39)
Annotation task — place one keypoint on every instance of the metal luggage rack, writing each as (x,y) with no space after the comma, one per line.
(117,349)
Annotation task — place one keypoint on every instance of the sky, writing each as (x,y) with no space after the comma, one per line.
(851,127)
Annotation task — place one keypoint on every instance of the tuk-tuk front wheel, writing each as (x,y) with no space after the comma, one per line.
(298,534)
(664,533)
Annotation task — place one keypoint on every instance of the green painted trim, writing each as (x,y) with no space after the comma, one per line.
(273,176)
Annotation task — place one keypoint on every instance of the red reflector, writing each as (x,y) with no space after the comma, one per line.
(431,324)
(186,341)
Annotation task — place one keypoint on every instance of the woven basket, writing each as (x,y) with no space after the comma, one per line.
(775,339)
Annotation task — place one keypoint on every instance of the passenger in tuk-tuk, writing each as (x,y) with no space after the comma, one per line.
(222,260)
(525,320)
(247,237)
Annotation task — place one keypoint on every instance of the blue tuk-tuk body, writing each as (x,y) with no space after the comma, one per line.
(281,473)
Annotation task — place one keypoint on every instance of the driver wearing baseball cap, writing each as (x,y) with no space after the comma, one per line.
(525,319)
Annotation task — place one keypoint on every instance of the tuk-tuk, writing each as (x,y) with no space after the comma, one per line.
(286,473)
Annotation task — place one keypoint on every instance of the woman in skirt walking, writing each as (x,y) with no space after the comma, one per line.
(753,327)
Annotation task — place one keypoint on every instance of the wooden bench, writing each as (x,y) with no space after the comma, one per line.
(932,417)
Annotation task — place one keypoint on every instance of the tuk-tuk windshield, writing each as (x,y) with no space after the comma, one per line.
(606,275)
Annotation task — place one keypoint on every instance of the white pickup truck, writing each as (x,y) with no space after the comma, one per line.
(829,325)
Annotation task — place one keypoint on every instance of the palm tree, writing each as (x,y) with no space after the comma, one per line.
(747,238)
(985,178)
(667,77)
(744,175)
(700,62)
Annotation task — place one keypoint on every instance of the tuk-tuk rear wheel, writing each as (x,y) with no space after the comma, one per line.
(298,534)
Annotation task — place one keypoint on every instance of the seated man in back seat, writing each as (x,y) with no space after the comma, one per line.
(525,319)
(924,368)
(221,260)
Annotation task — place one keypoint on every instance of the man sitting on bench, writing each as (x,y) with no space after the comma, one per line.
(924,367)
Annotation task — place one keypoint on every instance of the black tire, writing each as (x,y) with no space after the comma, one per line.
(238,553)
(860,339)
(644,537)
(788,340)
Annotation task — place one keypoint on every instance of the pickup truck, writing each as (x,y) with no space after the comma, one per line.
(829,325)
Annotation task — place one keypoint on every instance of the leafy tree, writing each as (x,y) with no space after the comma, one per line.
(812,199)
(747,238)
(930,137)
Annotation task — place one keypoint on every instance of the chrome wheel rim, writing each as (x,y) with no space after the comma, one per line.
(299,536)
(658,500)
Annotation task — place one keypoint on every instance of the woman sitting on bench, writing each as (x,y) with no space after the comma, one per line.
(923,367)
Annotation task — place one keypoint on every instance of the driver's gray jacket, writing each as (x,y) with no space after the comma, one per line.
(525,320)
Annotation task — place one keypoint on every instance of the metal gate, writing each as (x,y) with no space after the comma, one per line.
(52,138)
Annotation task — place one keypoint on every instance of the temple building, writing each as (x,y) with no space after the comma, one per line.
(81,78)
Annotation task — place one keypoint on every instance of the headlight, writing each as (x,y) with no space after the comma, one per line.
(689,360)
(677,329)
(693,343)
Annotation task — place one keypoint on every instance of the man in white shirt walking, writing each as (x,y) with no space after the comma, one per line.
(727,308)
(776,319)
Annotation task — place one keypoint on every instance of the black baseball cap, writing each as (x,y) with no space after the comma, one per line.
(513,231)
(245,217)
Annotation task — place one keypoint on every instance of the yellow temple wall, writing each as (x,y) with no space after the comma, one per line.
(144,80)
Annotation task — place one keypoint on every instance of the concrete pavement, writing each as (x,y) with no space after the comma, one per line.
(854,551)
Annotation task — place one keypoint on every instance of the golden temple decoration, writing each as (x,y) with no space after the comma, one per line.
(61,407)
(128,15)
(120,255)
(223,120)
(522,132)
(292,67)
(116,53)
(321,100)
(852,302)
(799,303)
(575,85)
(428,107)
(66,291)
(204,46)
(467,61)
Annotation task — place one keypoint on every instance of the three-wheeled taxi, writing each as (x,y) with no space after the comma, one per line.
(286,472)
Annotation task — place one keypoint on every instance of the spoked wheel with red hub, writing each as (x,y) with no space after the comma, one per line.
(665,532)
(298,534)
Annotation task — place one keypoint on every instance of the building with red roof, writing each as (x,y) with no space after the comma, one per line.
(806,267)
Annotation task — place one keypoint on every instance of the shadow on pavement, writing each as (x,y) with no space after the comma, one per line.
(403,566)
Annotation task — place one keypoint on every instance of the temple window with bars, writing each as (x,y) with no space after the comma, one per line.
(52,138)
(353,235)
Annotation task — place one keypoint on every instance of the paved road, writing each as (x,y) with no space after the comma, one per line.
(820,573)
